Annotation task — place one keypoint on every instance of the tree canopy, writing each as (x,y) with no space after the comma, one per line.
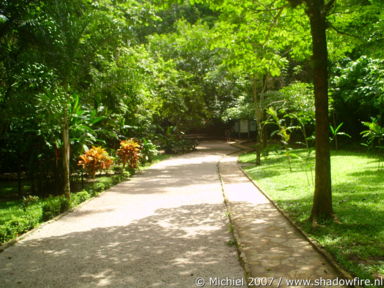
(79,73)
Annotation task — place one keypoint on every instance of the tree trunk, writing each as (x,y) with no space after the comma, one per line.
(322,200)
(66,156)
(19,182)
(259,118)
(19,179)
(58,172)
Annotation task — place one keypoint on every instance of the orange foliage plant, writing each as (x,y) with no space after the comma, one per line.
(95,159)
(129,152)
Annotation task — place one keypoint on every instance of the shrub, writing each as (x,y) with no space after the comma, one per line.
(148,151)
(3,234)
(65,204)
(174,141)
(95,159)
(374,135)
(358,92)
(15,227)
(83,195)
(50,209)
(29,200)
(99,187)
(19,225)
(176,146)
(80,197)
(129,153)
(54,206)
(118,169)
(93,192)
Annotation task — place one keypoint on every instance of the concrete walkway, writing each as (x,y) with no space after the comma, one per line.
(166,228)
(270,246)
(163,228)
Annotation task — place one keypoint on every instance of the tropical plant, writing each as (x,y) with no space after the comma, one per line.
(83,132)
(374,135)
(129,153)
(283,131)
(95,159)
(297,99)
(336,132)
(148,151)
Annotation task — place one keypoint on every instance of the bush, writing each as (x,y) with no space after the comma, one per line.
(15,227)
(118,169)
(175,142)
(148,151)
(187,145)
(129,153)
(80,197)
(19,225)
(3,234)
(54,206)
(357,91)
(29,200)
(95,159)
(116,179)
(99,187)
(176,146)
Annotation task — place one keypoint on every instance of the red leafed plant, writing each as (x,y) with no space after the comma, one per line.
(129,153)
(95,159)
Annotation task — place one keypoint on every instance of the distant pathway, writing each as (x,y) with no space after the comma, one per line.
(163,228)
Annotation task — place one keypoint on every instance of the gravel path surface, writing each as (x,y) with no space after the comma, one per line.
(163,228)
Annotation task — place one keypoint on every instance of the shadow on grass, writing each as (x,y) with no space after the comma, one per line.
(374,175)
(357,242)
(263,173)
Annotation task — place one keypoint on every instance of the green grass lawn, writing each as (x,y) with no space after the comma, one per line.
(357,242)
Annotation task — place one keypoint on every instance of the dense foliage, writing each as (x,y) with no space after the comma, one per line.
(78,74)
(98,72)
(358,91)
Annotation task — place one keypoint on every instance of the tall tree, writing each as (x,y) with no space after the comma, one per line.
(255,52)
(269,12)
(317,11)
(67,39)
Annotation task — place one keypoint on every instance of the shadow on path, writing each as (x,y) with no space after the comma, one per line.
(185,240)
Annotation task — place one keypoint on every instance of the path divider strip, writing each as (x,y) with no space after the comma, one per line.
(234,231)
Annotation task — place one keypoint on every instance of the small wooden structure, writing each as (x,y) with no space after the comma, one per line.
(244,127)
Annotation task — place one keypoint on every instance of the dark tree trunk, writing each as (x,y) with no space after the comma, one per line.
(322,200)
(259,118)
(66,154)
(57,172)
(19,182)
(265,140)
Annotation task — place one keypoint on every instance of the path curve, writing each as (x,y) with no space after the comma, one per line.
(163,228)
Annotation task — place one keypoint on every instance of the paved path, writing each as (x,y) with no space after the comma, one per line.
(270,246)
(163,228)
